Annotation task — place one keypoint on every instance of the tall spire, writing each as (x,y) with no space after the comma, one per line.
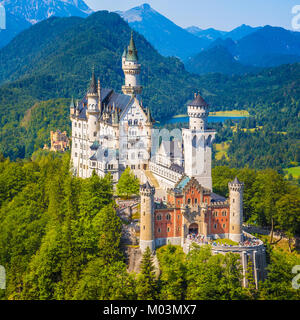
(149,118)
(93,85)
(72,105)
(132,52)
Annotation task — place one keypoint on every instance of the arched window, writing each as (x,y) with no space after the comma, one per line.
(130,122)
(168,217)
(136,122)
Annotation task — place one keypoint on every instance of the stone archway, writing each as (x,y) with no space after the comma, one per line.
(193,228)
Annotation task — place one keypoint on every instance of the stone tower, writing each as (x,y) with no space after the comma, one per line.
(198,143)
(147,217)
(132,70)
(93,110)
(236,209)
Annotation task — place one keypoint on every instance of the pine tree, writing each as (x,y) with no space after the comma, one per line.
(251,290)
(128,184)
(146,283)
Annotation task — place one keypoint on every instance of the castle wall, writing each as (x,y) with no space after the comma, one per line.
(166,177)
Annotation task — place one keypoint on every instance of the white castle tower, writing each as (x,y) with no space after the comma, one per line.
(198,143)
(236,209)
(132,70)
(147,217)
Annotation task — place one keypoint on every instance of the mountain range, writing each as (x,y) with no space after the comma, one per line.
(213,34)
(242,50)
(21,14)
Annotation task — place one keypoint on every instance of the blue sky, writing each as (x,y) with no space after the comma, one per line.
(219,14)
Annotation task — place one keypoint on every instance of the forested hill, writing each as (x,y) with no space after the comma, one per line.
(53,60)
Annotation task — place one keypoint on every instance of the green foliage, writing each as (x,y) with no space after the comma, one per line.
(172,281)
(102,281)
(128,185)
(211,277)
(54,227)
(269,200)
(146,283)
(278,285)
(251,286)
(288,213)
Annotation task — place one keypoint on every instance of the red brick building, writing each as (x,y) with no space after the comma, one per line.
(194,211)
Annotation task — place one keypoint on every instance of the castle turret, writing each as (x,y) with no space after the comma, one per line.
(198,113)
(132,70)
(92,110)
(236,209)
(198,143)
(147,217)
(72,107)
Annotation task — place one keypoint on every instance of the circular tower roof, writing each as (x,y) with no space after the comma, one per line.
(198,101)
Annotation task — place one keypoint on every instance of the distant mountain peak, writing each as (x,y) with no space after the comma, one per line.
(34,11)
(167,37)
(136,14)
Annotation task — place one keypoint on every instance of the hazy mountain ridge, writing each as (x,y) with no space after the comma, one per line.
(217,59)
(213,34)
(263,48)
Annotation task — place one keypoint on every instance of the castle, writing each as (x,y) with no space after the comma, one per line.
(113,131)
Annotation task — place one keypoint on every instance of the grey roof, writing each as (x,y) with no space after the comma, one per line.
(217,198)
(177,168)
(108,98)
(236,181)
(120,100)
(198,102)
